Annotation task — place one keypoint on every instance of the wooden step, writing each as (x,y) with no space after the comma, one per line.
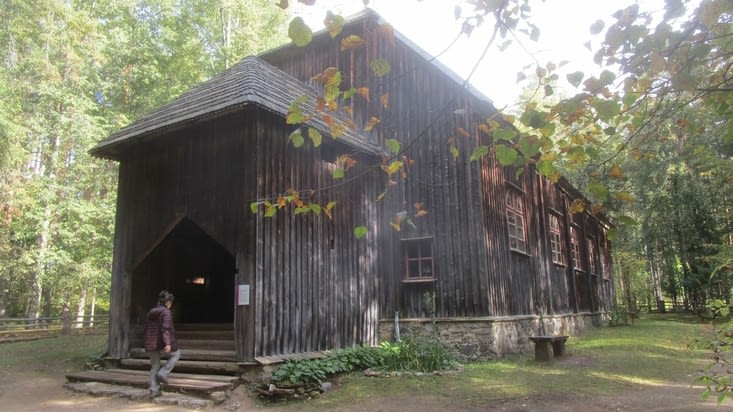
(204,384)
(213,368)
(218,344)
(205,326)
(195,354)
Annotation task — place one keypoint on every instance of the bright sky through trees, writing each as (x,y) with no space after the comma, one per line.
(564,31)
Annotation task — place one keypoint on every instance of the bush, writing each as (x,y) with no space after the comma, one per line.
(417,353)
(317,370)
(424,354)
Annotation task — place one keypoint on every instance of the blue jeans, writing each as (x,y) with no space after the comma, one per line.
(155,368)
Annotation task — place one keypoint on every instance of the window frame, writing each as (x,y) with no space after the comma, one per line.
(591,248)
(516,222)
(575,256)
(557,251)
(421,260)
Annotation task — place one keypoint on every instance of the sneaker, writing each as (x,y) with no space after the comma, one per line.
(162,379)
(155,394)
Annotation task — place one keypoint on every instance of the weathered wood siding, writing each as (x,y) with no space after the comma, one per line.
(476,273)
(316,283)
(313,286)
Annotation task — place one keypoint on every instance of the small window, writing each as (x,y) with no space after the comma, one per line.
(591,256)
(558,256)
(418,253)
(515,221)
(575,251)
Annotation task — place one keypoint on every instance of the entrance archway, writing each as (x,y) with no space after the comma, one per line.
(198,270)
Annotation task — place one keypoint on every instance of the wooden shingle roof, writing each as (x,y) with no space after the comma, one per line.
(251,81)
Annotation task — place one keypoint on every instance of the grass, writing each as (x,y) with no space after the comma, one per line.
(603,361)
(51,355)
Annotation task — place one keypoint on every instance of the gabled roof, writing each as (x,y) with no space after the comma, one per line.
(251,81)
(371,16)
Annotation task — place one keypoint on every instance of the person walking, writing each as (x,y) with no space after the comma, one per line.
(160,337)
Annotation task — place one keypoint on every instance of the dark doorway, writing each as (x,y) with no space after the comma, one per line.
(195,268)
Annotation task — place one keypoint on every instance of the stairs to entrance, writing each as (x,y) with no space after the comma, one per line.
(207,369)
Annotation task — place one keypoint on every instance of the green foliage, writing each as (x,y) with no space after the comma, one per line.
(317,370)
(417,353)
(717,378)
(74,73)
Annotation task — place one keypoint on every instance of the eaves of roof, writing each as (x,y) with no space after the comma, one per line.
(251,81)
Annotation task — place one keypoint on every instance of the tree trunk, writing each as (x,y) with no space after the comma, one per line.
(81,309)
(91,308)
(3,292)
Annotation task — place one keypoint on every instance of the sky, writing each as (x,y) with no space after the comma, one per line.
(564,30)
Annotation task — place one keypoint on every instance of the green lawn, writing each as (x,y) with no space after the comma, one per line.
(52,355)
(602,361)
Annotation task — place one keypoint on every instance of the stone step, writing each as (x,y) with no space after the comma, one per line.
(142,394)
(191,383)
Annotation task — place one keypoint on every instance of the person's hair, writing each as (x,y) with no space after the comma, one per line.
(165,296)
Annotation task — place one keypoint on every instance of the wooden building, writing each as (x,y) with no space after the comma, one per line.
(497,250)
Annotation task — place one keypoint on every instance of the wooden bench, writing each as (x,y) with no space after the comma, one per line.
(548,347)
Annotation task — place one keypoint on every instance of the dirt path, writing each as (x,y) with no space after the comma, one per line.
(34,391)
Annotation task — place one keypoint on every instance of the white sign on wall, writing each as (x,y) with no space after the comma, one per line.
(243,295)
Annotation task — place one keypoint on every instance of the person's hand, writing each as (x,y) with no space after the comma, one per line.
(167,348)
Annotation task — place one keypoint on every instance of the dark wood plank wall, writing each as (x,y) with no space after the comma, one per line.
(307,295)
(316,282)
(194,173)
(476,273)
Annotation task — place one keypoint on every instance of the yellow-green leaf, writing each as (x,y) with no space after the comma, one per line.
(297,138)
(454,151)
(299,32)
(315,208)
(360,231)
(598,190)
(606,109)
(254,207)
(380,67)
(334,23)
(393,145)
(295,115)
(351,42)
(506,155)
(506,133)
(338,173)
(315,136)
(270,209)
(479,152)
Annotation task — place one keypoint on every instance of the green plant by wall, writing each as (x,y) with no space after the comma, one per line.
(417,353)
(317,370)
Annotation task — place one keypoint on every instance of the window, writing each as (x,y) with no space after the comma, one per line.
(515,221)
(556,240)
(419,263)
(591,256)
(575,251)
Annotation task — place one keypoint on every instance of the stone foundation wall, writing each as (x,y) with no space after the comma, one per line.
(487,338)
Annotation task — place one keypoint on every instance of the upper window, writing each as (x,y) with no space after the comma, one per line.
(556,240)
(575,251)
(418,254)
(591,256)
(515,221)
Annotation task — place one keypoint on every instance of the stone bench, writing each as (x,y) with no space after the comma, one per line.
(547,347)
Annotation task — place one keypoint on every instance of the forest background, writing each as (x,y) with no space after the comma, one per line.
(648,140)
